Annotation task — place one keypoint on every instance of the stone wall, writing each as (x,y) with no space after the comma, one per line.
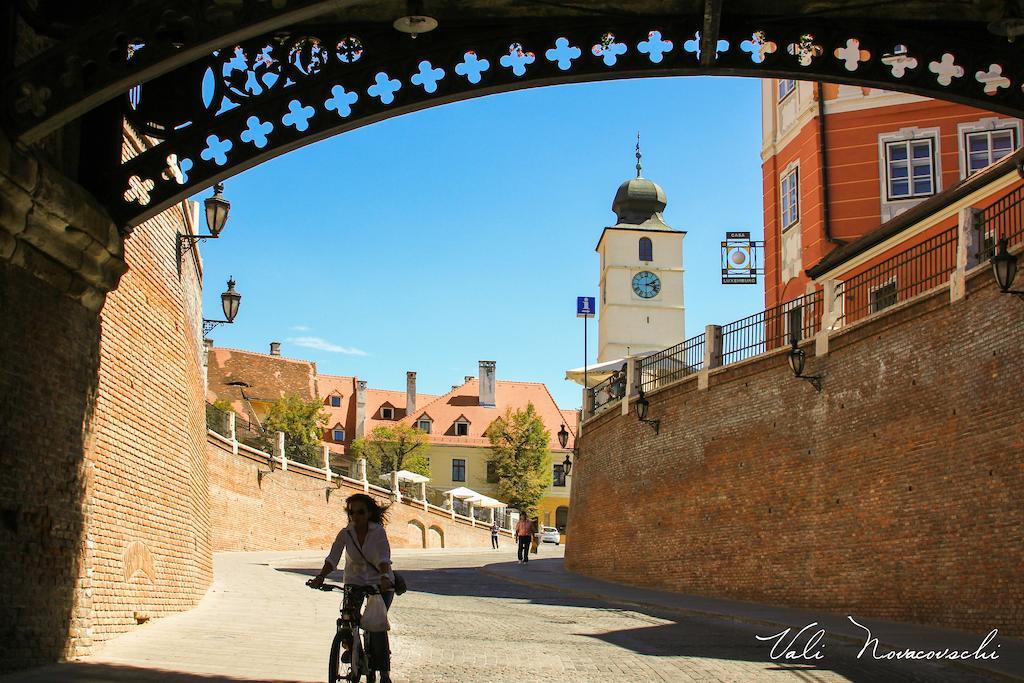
(148,533)
(104,512)
(895,493)
(48,364)
(292,510)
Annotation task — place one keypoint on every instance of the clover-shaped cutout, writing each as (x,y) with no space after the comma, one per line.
(517,59)
(993,79)
(946,70)
(693,45)
(852,55)
(176,170)
(609,50)
(654,47)
(899,61)
(138,190)
(806,51)
(471,67)
(341,101)
(256,132)
(758,46)
(216,150)
(298,116)
(428,76)
(384,87)
(563,53)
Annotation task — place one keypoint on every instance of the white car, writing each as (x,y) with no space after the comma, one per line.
(550,535)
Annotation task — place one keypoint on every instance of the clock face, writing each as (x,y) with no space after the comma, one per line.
(646,284)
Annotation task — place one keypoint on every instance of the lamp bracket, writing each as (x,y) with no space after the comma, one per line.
(208,325)
(260,474)
(655,425)
(815,380)
(187,243)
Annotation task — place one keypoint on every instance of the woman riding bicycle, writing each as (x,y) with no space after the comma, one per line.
(365,541)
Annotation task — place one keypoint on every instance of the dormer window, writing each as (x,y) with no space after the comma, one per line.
(462,427)
(338,434)
(387,413)
(423,424)
(335,401)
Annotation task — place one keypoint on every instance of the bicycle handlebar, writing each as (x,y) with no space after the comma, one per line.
(368,590)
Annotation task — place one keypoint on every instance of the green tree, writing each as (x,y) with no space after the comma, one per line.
(390,448)
(521,458)
(303,423)
(224,405)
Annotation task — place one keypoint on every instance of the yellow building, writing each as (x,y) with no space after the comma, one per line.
(460,453)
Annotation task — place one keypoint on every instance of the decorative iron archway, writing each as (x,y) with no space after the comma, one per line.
(216,112)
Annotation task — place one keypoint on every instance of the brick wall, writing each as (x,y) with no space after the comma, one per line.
(895,493)
(48,364)
(290,510)
(147,518)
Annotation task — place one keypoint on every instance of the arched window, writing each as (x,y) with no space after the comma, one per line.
(646,250)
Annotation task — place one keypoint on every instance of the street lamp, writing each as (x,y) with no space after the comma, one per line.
(1004,268)
(229,301)
(563,438)
(217,209)
(797,360)
(641,407)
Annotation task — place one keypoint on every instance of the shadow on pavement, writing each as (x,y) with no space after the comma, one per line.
(692,636)
(97,672)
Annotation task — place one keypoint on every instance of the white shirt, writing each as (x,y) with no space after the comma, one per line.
(375,547)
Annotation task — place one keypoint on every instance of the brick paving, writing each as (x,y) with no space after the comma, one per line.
(462,622)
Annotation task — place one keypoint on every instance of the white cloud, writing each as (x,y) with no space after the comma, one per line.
(300,328)
(322,344)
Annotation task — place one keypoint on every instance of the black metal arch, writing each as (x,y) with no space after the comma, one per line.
(276,92)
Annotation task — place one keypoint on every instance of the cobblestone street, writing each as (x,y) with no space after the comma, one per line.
(460,621)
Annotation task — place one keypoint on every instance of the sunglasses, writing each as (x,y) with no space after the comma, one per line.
(357,511)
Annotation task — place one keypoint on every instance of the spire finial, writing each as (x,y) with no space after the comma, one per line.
(638,166)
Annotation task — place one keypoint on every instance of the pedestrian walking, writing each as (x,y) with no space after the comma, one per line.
(524,533)
(494,534)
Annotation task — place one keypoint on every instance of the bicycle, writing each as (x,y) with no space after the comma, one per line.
(349,629)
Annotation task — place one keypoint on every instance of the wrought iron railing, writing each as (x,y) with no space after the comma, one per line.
(1003,218)
(217,420)
(607,392)
(671,364)
(771,328)
(245,432)
(907,274)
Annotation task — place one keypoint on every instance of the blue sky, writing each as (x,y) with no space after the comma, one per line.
(465,232)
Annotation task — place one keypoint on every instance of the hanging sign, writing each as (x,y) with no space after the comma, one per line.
(740,258)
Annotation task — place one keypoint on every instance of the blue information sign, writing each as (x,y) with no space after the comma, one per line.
(585,306)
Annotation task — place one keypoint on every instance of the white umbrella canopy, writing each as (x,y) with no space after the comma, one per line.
(599,372)
(488,502)
(466,494)
(406,475)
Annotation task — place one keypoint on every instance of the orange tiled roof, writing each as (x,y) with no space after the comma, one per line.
(269,378)
(376,398)
(464,401)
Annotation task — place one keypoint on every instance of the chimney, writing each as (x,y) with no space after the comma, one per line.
(360,407)
(275,348)
(469,378)
(410,393)
(487,383)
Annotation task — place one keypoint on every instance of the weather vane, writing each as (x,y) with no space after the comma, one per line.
(638,154)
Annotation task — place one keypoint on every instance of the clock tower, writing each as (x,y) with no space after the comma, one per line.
(641,305)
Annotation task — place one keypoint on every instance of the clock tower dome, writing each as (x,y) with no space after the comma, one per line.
(641,305)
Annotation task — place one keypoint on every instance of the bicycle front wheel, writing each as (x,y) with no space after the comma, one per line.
(334,666)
